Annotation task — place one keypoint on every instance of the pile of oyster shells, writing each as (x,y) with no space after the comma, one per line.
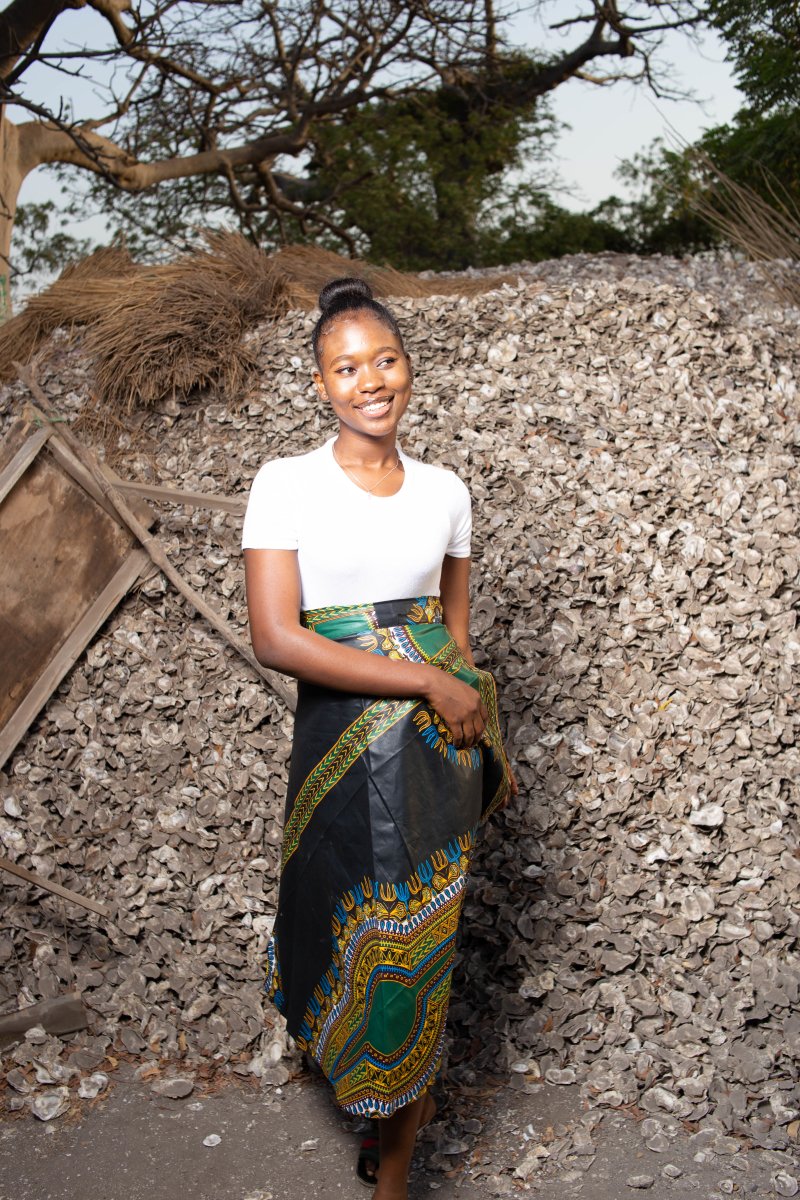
(630,433)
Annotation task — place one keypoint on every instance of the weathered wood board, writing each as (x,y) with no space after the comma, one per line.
(231,504)
(65,563)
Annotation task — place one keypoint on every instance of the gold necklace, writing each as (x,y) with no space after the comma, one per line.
(364,488)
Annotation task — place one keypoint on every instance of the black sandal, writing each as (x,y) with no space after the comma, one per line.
(369,1157)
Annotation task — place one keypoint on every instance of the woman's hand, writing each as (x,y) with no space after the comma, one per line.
(459,706)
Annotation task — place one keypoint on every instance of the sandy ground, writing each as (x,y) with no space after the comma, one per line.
(294,1144)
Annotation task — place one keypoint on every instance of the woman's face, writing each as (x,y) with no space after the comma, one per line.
(364,374)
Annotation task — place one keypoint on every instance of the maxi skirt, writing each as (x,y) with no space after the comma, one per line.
(381,817)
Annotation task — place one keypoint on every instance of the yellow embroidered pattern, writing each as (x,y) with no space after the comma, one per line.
(312,618)
(376,1019)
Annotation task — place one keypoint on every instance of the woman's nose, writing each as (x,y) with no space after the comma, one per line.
(369,379)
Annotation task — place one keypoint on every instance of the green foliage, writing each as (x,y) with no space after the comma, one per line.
(40,247)
(759,148)
(763,38)
(396,131)
(761,151)
(432,180)
(412,179)
(426,182)
(659,219)
(530,227)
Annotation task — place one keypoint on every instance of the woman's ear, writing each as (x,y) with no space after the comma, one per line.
(319,385)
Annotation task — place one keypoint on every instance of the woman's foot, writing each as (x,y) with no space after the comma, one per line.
(369,1156)
(397,1136)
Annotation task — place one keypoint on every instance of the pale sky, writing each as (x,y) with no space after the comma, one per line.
(613,122)
(608,124)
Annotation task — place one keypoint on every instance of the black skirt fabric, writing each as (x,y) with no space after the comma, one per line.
(381,817)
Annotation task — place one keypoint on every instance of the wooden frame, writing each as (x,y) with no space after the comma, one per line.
(136,549)
(36,466)
(170,495)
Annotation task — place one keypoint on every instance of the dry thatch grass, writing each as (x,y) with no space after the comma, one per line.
(766,233)
(307,268)
(154,332)
(179,327)
(75,298)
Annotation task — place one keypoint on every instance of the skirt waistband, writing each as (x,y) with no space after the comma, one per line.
(347,620)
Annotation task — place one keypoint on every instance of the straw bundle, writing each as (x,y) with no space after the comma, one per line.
(307,268)
(76,297)
(768,234)
(179,327)
(161,331)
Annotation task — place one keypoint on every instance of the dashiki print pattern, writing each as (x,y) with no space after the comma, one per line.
(381,816)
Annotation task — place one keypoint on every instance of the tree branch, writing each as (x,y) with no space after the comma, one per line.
(112,10)
(23,24)
(282,204)
(47,143)
(208,96)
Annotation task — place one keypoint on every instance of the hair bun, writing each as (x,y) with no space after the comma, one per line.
(348,292)
(353,295)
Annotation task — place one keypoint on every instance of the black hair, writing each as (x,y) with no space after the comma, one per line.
(349,294)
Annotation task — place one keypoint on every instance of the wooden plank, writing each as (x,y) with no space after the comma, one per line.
(71,465)
(58,551)
(62,1014)
(69,651)
(154,548)
(65,458)
(22,459)
(66,893)
(231,504)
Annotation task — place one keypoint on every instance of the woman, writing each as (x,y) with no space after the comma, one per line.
(357,566)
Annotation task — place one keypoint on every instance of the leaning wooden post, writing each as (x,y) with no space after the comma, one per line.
(56,888)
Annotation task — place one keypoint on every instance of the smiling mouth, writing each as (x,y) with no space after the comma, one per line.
(375,406)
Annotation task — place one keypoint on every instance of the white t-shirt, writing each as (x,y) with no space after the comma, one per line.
(354,548)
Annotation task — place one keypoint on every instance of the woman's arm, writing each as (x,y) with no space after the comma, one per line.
(454,588)
(280,642)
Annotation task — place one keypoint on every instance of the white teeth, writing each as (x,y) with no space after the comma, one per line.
(374,405)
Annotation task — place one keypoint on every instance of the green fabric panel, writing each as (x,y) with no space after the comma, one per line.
(392,1013)
(343,627)
(391,1016)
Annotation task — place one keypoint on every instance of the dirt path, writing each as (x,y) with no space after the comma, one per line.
(292,1144)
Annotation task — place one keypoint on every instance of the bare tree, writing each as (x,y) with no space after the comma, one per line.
(225,92)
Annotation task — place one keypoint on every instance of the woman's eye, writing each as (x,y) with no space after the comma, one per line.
(387,362)
(343,370)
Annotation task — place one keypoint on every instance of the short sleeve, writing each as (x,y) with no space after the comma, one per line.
(269,522)
(460,521)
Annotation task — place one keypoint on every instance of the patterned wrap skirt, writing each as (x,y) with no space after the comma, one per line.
(381,817)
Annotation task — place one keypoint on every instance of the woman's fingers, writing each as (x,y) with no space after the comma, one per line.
(474,729)
(459,735)
(469,733)
(459,706)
